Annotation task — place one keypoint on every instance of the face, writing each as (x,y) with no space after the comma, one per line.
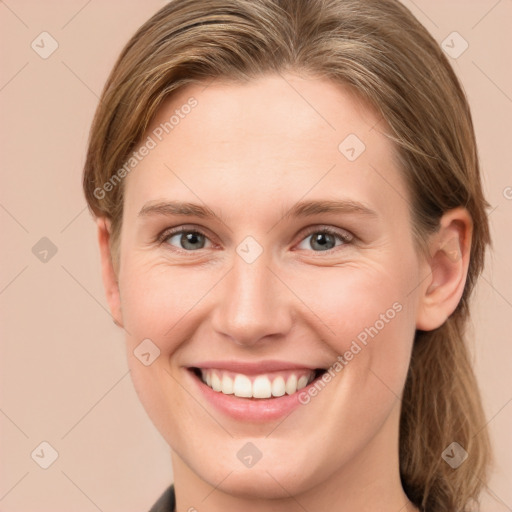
(295,275)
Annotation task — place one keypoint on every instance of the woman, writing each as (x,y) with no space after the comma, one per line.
(291,222)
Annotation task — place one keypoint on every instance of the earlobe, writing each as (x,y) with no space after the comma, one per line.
(110,281)
(448,263)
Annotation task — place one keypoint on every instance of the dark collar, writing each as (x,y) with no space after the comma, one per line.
(166,502)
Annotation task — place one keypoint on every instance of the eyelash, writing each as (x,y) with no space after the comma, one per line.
(345,237)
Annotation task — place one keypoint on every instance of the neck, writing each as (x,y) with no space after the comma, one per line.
(370,482)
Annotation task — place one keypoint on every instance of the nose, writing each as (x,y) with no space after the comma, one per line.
(253,304)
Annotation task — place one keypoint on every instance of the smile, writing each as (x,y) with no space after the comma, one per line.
(268,385)
(252,391)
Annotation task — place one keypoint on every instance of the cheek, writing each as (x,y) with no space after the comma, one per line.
(157,300)
(370,314)
(159,303)
(350,300)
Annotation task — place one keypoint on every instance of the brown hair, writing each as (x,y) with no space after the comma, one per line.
(383,53)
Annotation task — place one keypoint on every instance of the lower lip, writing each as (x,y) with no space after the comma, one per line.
(250,409)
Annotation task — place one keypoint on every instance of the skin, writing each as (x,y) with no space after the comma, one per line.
(250,152)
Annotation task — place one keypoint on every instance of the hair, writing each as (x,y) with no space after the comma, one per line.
(380,51)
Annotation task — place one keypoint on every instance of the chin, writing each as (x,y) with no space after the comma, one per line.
(263,483)
(274,477)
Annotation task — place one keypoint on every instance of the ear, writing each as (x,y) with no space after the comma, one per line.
(108,273)
(449,252)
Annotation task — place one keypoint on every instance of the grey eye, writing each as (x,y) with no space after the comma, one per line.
(188,240)
(322,240)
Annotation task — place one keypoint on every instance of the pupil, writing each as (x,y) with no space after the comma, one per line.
(189,239)
(325,241)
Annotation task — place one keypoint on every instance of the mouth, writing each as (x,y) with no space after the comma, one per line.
(265,386)
(254,392)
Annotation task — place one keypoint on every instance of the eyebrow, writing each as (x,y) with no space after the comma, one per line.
(176,208)
(302,209)
(310,208)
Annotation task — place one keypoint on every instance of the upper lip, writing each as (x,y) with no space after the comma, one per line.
(253,368)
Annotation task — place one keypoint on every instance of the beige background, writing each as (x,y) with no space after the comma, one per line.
(63,373)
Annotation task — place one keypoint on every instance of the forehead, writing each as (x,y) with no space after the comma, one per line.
(275,134)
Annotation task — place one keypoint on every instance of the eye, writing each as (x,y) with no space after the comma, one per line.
(325,239)
(320,239)
(186,239)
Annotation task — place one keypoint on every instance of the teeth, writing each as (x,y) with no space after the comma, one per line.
(260,386)
(278,387)
(216,384)
(242,386)
(227,385)
(302,382)
(291,384)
